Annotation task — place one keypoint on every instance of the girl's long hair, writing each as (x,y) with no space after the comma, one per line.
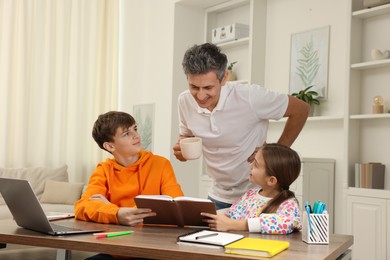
(283,163)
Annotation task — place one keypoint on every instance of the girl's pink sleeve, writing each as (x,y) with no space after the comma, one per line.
(286,219)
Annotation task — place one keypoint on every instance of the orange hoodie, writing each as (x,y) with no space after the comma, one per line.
(151,174)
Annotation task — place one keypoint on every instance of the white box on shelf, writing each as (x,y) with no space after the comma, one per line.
(229,32)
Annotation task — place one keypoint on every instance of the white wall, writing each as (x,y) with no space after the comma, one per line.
(323,139)
(146,63)
(150,74)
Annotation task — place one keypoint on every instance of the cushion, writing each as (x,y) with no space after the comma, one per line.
(57,192)
(36,176)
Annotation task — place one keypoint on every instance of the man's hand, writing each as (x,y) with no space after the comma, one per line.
(220,222)
(133,216)
(177,150)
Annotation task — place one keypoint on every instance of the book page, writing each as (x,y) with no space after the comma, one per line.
(191,199)
(155,197)
(51,216)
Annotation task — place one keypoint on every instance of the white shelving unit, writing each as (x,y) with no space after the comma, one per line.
(367,133)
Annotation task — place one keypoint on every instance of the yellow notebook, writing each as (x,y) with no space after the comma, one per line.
(256,247)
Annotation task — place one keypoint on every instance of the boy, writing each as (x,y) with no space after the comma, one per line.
(109,197)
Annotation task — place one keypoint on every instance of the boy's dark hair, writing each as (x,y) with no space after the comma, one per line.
(283,163)
(106,125)
(201,59)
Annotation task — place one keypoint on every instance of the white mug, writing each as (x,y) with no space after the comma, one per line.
(191,148)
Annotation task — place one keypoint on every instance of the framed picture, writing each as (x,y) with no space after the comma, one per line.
(309,61)
(144,116)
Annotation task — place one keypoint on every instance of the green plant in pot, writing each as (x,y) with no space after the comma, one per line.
(308,96)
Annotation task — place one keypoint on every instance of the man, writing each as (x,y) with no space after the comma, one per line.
(232,120)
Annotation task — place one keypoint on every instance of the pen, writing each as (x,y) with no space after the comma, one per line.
(308,215)
(107,233)
(114,234)
(315,207)
(208,235)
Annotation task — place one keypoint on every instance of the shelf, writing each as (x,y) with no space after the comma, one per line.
(372,12)
(227,5)
(234,44)
(371,64)
(370,116)
(242,81)
(313,118)
(373,193)
(324,118)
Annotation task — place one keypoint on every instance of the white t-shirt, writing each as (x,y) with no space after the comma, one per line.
(231,132)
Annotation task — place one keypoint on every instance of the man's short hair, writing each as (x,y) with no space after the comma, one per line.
(201,59)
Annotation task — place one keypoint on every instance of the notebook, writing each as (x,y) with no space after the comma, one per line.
(257,247)
(27,211)
(208,238)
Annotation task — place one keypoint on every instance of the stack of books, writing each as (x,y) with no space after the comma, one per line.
(370,175)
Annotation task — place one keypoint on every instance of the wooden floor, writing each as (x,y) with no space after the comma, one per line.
(15,252)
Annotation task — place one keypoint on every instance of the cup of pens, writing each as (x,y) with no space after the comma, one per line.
(315,224)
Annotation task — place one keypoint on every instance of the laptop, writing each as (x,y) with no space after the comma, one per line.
(28,212)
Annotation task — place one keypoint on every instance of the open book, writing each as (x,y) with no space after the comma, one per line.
(51,216)
(181,211)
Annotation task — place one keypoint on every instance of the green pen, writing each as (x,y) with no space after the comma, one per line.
(121,233)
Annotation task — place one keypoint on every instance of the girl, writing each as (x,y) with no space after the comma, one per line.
(270,208)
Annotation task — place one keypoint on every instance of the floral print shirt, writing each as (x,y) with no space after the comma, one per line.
(286,219)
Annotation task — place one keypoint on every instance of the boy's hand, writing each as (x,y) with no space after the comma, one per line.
(133,216)
(220,222)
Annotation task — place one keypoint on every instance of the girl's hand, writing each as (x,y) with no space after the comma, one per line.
(221,222)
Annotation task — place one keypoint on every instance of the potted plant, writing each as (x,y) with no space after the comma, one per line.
(308,96)
(231,74)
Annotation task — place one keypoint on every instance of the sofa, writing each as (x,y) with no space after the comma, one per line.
(56,194)
(50,184)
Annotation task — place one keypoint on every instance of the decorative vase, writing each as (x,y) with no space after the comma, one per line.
(312,110)
(231,75)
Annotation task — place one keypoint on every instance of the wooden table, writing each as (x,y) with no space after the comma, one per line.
(160,242)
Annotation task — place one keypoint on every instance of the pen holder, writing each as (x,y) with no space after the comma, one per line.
(319,233)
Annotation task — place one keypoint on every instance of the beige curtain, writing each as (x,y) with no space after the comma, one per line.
(58,72)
